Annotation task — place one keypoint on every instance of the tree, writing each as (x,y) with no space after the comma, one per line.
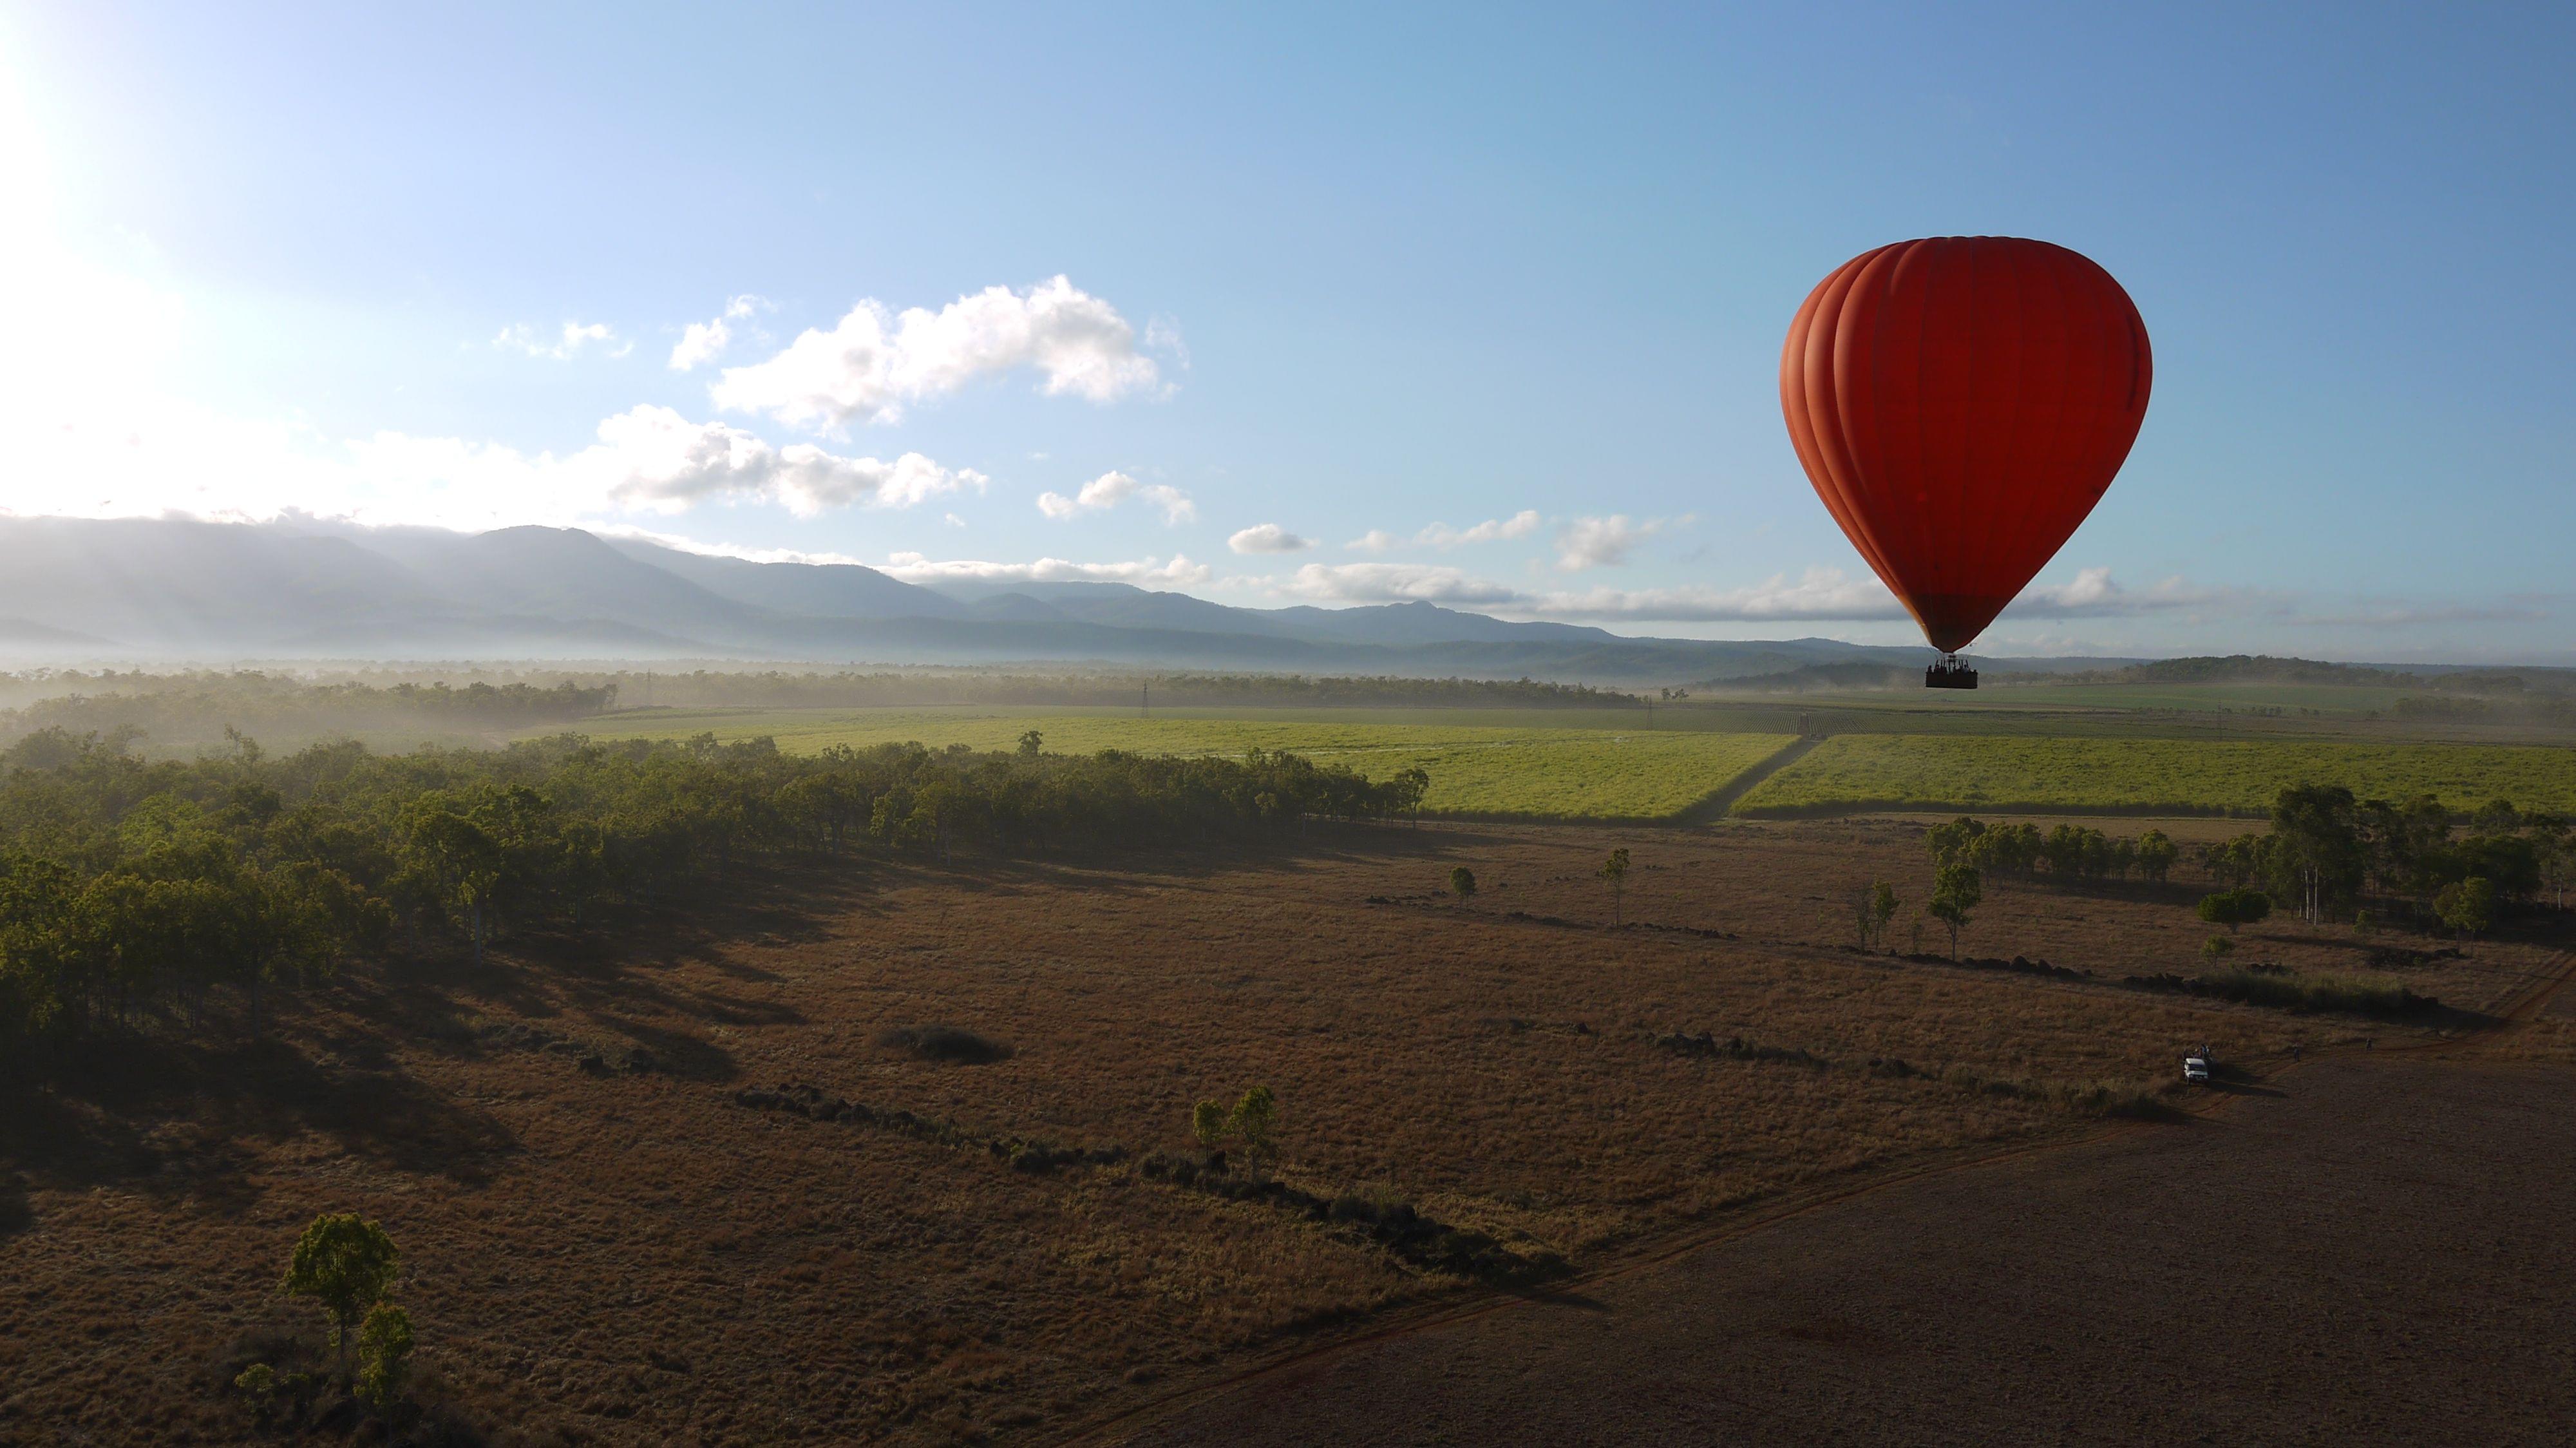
(2317,854)
(384,1350)
(347,1265)
(1256,1120)
(1950,844)
(1871,910)
(1030,743)
(1956,891)
(2467,906)
(1462,883)
(1208,1122)
(1410,786)
(453,853)
(2156,853)
(2233,908)
(1615,870)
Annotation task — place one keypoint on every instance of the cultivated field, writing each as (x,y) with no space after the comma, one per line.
(1852,771)
(1628,773)
(604,1244)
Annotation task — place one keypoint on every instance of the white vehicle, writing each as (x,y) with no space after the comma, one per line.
(2196,1069)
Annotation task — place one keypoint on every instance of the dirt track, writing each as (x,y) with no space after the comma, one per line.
(2377,1251)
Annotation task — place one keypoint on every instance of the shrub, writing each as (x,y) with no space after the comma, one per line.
(1462,883)
(384,1348)
(2232,908)
(2216,946)
(944,1043)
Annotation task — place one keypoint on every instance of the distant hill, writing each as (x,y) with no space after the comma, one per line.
(2266,669)
(144,590)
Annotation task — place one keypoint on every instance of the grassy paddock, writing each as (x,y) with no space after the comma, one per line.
(2187,776)
(1476,770)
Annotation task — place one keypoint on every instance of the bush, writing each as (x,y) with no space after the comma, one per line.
(2232,908)
(944,1043)
(384,1349)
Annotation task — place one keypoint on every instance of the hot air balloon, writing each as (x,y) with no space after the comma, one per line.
(1960,403)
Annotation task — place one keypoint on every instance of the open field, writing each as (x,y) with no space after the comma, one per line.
(2216,776)
(2298,1271)
(605,1247)
(1477,769)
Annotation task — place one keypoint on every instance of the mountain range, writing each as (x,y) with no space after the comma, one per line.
(175,589)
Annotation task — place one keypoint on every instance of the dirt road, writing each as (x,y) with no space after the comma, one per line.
(2374,1251)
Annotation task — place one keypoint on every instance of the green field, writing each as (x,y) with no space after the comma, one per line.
(1475,769)
(1918,771)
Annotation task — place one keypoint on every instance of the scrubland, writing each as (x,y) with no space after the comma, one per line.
(604,1242)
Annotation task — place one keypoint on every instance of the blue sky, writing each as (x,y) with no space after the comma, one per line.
(1329,277)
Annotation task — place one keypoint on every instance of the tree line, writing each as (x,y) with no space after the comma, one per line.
(128,884)
(191,708)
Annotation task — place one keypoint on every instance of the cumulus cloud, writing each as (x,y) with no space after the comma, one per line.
(1375,540)
(866,368)
(1601,542)
(1268,538)
(1518,525)
(1394,583)
(1113,488)
(565,344)
(1178,572)
(653,457)
(702,342)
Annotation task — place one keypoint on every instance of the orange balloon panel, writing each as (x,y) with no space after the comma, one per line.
(1961,403)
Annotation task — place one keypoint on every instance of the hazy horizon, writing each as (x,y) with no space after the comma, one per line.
(1486,313)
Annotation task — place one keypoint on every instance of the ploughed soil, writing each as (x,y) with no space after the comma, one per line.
(2373,1250)
(617,1228)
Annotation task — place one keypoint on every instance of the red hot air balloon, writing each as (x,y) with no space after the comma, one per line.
(1960,403)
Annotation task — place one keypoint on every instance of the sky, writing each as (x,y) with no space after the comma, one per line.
(1336,305)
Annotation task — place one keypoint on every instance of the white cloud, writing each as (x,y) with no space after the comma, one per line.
(653,457)
(706,341)
(1112,488)
(1375,540)
(1518,525)
(1601,542)
(1821,593)
(1831,593)
(1268,538)
(1394,583)
(571,340)
(873,362)
(1179,572)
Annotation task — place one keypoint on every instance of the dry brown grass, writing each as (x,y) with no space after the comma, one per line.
(597,1253)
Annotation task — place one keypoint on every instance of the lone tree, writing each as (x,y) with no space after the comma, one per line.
(1615,870)
(1956,890)
(2467,906)
(346,1264)
(1874,908)
(1255,1118)
(1462,883)
(2233,908)
(1030,743)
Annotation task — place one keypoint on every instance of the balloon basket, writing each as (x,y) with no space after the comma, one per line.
(1950,673)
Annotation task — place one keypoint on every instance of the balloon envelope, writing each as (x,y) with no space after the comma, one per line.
(1961,403)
